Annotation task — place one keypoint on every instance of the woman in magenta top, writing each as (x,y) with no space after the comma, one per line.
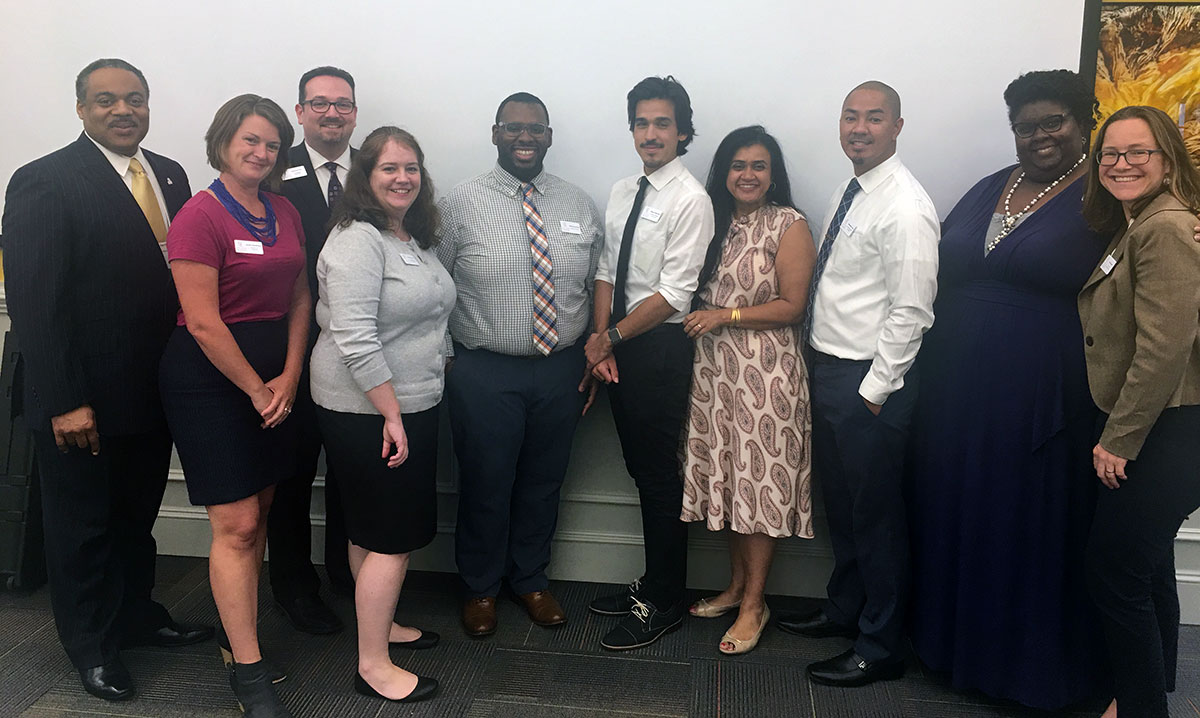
(230,370)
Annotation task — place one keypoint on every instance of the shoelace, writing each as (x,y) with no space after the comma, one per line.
(641,610)
(634,586)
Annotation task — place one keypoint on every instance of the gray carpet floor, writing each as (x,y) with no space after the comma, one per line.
(523,671)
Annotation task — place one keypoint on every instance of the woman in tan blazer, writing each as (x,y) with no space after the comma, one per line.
(1141,323)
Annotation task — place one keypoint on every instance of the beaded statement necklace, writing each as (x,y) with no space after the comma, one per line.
(261,228)
(1010,220)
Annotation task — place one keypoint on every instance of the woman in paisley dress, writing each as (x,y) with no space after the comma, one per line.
(746,452)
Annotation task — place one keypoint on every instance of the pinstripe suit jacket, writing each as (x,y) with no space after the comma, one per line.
(90,297)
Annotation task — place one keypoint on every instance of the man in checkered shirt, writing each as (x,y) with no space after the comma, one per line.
(522,246)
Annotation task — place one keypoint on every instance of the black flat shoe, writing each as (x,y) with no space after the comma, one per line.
(255,694)
(849,670)
(275,674)
(427,639)
(424,689)
(814,625)
(109,681)
(309,614)
(170,635)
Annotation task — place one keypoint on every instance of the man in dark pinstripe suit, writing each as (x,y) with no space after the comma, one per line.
(92,302)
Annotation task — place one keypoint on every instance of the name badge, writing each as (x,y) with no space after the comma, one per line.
(848,229)
(294,172)
(570,227)
(247,246)
(410,259)
(651,214)
(1107,265)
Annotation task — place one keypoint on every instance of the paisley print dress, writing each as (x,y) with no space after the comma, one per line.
(746,450)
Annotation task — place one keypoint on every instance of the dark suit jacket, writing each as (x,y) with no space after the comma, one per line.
(89,294)
(1141,324)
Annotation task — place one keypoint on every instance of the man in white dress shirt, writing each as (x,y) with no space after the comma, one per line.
(657,228)
(870,303)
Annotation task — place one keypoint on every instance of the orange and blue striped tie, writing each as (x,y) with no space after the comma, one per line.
(545,316)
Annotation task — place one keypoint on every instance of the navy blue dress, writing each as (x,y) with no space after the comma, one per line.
(1002,482)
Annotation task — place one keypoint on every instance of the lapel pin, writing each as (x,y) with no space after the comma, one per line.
(169,182)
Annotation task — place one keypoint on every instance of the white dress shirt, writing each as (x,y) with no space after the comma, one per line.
(120,163)
(318,162)
(673,231)
(875,298)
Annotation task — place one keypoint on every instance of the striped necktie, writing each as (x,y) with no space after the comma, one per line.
(545,316)
(826,248)
(143,193)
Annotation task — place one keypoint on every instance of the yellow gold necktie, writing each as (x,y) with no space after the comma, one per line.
(144,194)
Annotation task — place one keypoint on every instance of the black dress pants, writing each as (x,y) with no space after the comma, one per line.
(1131,561)
(859,459)
(513,419)
(100,554)
(289,528)
(649,406)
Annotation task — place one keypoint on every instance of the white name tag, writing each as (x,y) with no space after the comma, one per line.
(848,229)
(247,246)
(410,259)
(294,172)
(1107,265)
(652,214)
(570,227)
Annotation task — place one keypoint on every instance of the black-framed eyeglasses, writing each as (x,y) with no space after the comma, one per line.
(1108,158)
(514,129)
(1049,123)
(343,107)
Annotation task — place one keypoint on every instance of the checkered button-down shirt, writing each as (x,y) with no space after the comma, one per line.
(485,247)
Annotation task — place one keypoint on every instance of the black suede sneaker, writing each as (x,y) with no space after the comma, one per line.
(617,604)
(643,625)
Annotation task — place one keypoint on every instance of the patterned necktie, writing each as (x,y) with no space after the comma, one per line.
(545,316)
(826,248)
(335,184)
(143,193)
(618,308)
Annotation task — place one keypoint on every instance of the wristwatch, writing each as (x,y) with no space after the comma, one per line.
(614,336)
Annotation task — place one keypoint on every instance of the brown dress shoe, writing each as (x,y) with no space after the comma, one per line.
(479,616)
(543,609)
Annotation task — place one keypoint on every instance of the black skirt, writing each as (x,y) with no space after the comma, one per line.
(225,453)
(387,511)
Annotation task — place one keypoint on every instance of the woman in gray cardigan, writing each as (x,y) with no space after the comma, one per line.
(377,369)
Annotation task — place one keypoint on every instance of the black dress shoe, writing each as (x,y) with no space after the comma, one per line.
(109,681)
(643,625)
(427,639)
(814,625)
(425,688)
(849,669)
(309,614)
(617,604)
(170,635)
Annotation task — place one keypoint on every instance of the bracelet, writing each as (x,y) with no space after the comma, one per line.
(735,316)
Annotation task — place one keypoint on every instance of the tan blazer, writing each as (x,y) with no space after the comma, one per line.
(1141,324)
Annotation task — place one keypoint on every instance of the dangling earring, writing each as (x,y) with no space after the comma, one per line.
(771,188)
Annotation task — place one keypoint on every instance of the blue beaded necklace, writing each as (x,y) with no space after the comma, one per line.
(261,228)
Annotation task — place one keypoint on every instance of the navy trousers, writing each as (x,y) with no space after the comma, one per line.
(513,420)
(859,459)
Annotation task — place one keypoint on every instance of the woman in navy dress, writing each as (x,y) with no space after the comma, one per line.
(1002,487)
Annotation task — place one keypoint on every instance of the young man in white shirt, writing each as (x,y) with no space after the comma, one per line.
(658,226)
(870,302)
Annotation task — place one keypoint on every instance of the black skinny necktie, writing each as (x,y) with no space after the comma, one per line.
(618,309)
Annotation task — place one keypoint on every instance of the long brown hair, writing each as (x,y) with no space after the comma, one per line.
(358,203)
(1102,211)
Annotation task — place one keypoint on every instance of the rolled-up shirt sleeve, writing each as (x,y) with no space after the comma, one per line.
(686,246)
(908,245)
(350,271)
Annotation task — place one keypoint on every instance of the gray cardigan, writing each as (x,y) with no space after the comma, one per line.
(382,309)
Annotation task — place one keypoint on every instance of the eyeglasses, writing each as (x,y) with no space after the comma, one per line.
(343,107)
(514,129)
(1049,123)
(1108,158)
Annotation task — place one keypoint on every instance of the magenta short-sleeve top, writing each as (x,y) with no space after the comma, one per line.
(251,286)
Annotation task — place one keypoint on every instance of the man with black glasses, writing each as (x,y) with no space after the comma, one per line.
(522,246)
(319,167)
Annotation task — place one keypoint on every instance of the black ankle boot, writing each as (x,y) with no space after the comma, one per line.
(275,674)
(256,697)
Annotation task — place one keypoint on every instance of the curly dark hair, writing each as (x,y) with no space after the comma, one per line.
(1062,86)
(358,203)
